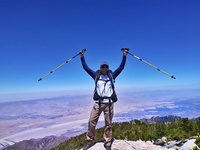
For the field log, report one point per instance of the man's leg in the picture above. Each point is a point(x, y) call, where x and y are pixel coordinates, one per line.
point(108, 114)
point(94, 117)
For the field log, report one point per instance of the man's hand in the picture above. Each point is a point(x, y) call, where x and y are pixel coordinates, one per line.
point(125, 51)
point(82, 53)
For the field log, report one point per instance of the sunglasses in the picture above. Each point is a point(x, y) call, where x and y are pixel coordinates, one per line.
point(104, 66)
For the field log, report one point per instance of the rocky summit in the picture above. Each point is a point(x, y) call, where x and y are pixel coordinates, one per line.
point(148, 145)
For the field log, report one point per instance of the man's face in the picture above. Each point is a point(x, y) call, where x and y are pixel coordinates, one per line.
point(104, 69)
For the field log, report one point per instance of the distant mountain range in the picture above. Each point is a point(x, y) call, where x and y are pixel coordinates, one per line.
point(158, 119)
point(45, 143)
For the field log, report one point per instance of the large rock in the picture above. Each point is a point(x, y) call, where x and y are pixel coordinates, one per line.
point(189, 145)
point(161, 141)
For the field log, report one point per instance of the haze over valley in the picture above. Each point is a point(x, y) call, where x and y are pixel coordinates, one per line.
point(68, 115)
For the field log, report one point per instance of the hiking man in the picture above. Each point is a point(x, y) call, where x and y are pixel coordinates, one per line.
point(104, 96)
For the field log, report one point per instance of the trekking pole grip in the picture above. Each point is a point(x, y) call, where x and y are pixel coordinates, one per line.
point(82, 50)
point(125, 49)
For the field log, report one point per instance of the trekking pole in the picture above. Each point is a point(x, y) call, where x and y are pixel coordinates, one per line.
point(148, 63)
point(60, 65)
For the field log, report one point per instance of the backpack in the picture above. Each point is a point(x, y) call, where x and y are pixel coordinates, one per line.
point(96, 96)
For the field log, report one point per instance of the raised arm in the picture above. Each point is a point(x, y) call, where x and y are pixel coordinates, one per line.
point(121, 66)
point(85, 66)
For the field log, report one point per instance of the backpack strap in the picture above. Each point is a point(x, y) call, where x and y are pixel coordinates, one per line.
point(112, 80)
point(97, 77)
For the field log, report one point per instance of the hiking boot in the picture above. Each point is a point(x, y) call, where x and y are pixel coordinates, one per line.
point(89, 144)
point(107, 145)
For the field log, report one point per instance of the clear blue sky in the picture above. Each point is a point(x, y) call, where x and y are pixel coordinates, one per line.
point(38, 35)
